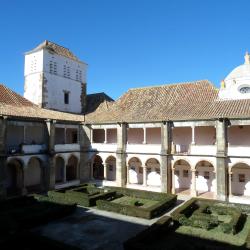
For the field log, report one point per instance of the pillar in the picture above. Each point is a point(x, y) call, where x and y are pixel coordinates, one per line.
point(127, 174)
point(65, 172)
point(165, 159)
point(86, 170)
point(3, 155)
point(173, 181)
point(121, 154)
point(105, 135)
point(221, 160)
point(50, 176)
point(193, 135)
point(145, 176)
point(193, 184)
point(144, 136)
point(105, 174)
point(230, 175)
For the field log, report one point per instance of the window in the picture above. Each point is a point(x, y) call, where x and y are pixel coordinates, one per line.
point(64, 71)
point(206, 175)
point(68, 72)
point(185, 173)
point(66, 97)
point(241, 178)
point(74, 137)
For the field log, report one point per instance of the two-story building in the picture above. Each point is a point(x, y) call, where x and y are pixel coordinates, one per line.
point(186, 138)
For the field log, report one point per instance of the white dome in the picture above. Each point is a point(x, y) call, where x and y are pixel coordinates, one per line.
point(241, 71)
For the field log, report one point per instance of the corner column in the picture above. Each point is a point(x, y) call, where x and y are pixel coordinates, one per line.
point(166, 136)
point(121, 155)
point(221, 160)
point(50, 183)
point(3, 155)
point(86, 172)
point(193, 184)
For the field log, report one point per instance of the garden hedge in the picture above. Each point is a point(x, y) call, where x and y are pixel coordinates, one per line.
point(83, 195)
point(164, 202)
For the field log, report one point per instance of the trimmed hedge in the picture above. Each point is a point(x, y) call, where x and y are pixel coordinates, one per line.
point(155, 231)
point(164, 202)
point(231, 226)
point(83, 195)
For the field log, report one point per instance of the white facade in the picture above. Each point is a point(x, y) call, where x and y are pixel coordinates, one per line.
point(49, 77)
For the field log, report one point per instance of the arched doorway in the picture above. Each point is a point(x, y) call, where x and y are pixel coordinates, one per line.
point(240, 180)
point(153, 172)
point(33, 175)
point(71, 169)
point(182, 177)
point(135, 171)
point(98, 168)
point(14, 177)
point(59, 169)
point(205, 177)
point(111, 168)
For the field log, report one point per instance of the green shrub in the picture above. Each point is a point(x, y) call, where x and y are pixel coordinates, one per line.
point(185, 210)
point(164, 202)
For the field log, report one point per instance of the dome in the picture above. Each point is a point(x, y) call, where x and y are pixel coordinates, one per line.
point(237, 84)
point(239, 72)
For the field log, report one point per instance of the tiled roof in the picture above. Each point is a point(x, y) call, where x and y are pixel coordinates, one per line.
point(166, 102)
point(7, 96)
point(95, 100)
point(13, 104)
point(183, 101)
point(58, 49)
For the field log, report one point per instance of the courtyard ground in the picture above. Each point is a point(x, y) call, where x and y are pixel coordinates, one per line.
point(92, 229)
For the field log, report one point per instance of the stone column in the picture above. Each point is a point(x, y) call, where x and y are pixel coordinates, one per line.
point(165, 160)
point(105, 174)
point(173, 181)
point(121, 154)
point(127, 167)
point(86, 171)
point(145, 176)
point(230, 175)
point(105, 136)
point(3, 155)
point(144, 136)
point(24, 183)
point(221, 160)
point(193, 184)
point(65, 172)
point(50, 176)
point(193, 135)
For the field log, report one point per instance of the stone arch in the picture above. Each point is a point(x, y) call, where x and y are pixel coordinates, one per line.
point(72, 168)
point(240, 179)
point(98, 168)
point(111, 168)
point(59, 169)
point(153, 172)
point(205, 177)
point(14, 176)
point(135, 171)
point(182, 176)
point(34, 175)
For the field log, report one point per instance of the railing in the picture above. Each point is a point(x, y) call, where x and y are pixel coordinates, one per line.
point(109, 147)
point(235, 150)
point(67, 147)
point(34, 148)
point(180, 148)
point(203, 149)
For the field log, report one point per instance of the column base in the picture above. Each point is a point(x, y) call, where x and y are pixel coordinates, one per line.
point(194, 193)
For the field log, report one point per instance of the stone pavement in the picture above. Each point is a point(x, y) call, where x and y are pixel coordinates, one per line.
point(92, 229)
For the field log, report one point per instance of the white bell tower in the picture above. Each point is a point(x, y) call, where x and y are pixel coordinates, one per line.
point(55, 78)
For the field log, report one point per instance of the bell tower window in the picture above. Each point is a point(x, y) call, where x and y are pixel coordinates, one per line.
point(66, 97)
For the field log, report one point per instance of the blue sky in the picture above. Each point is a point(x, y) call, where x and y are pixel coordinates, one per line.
point(129, 43)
